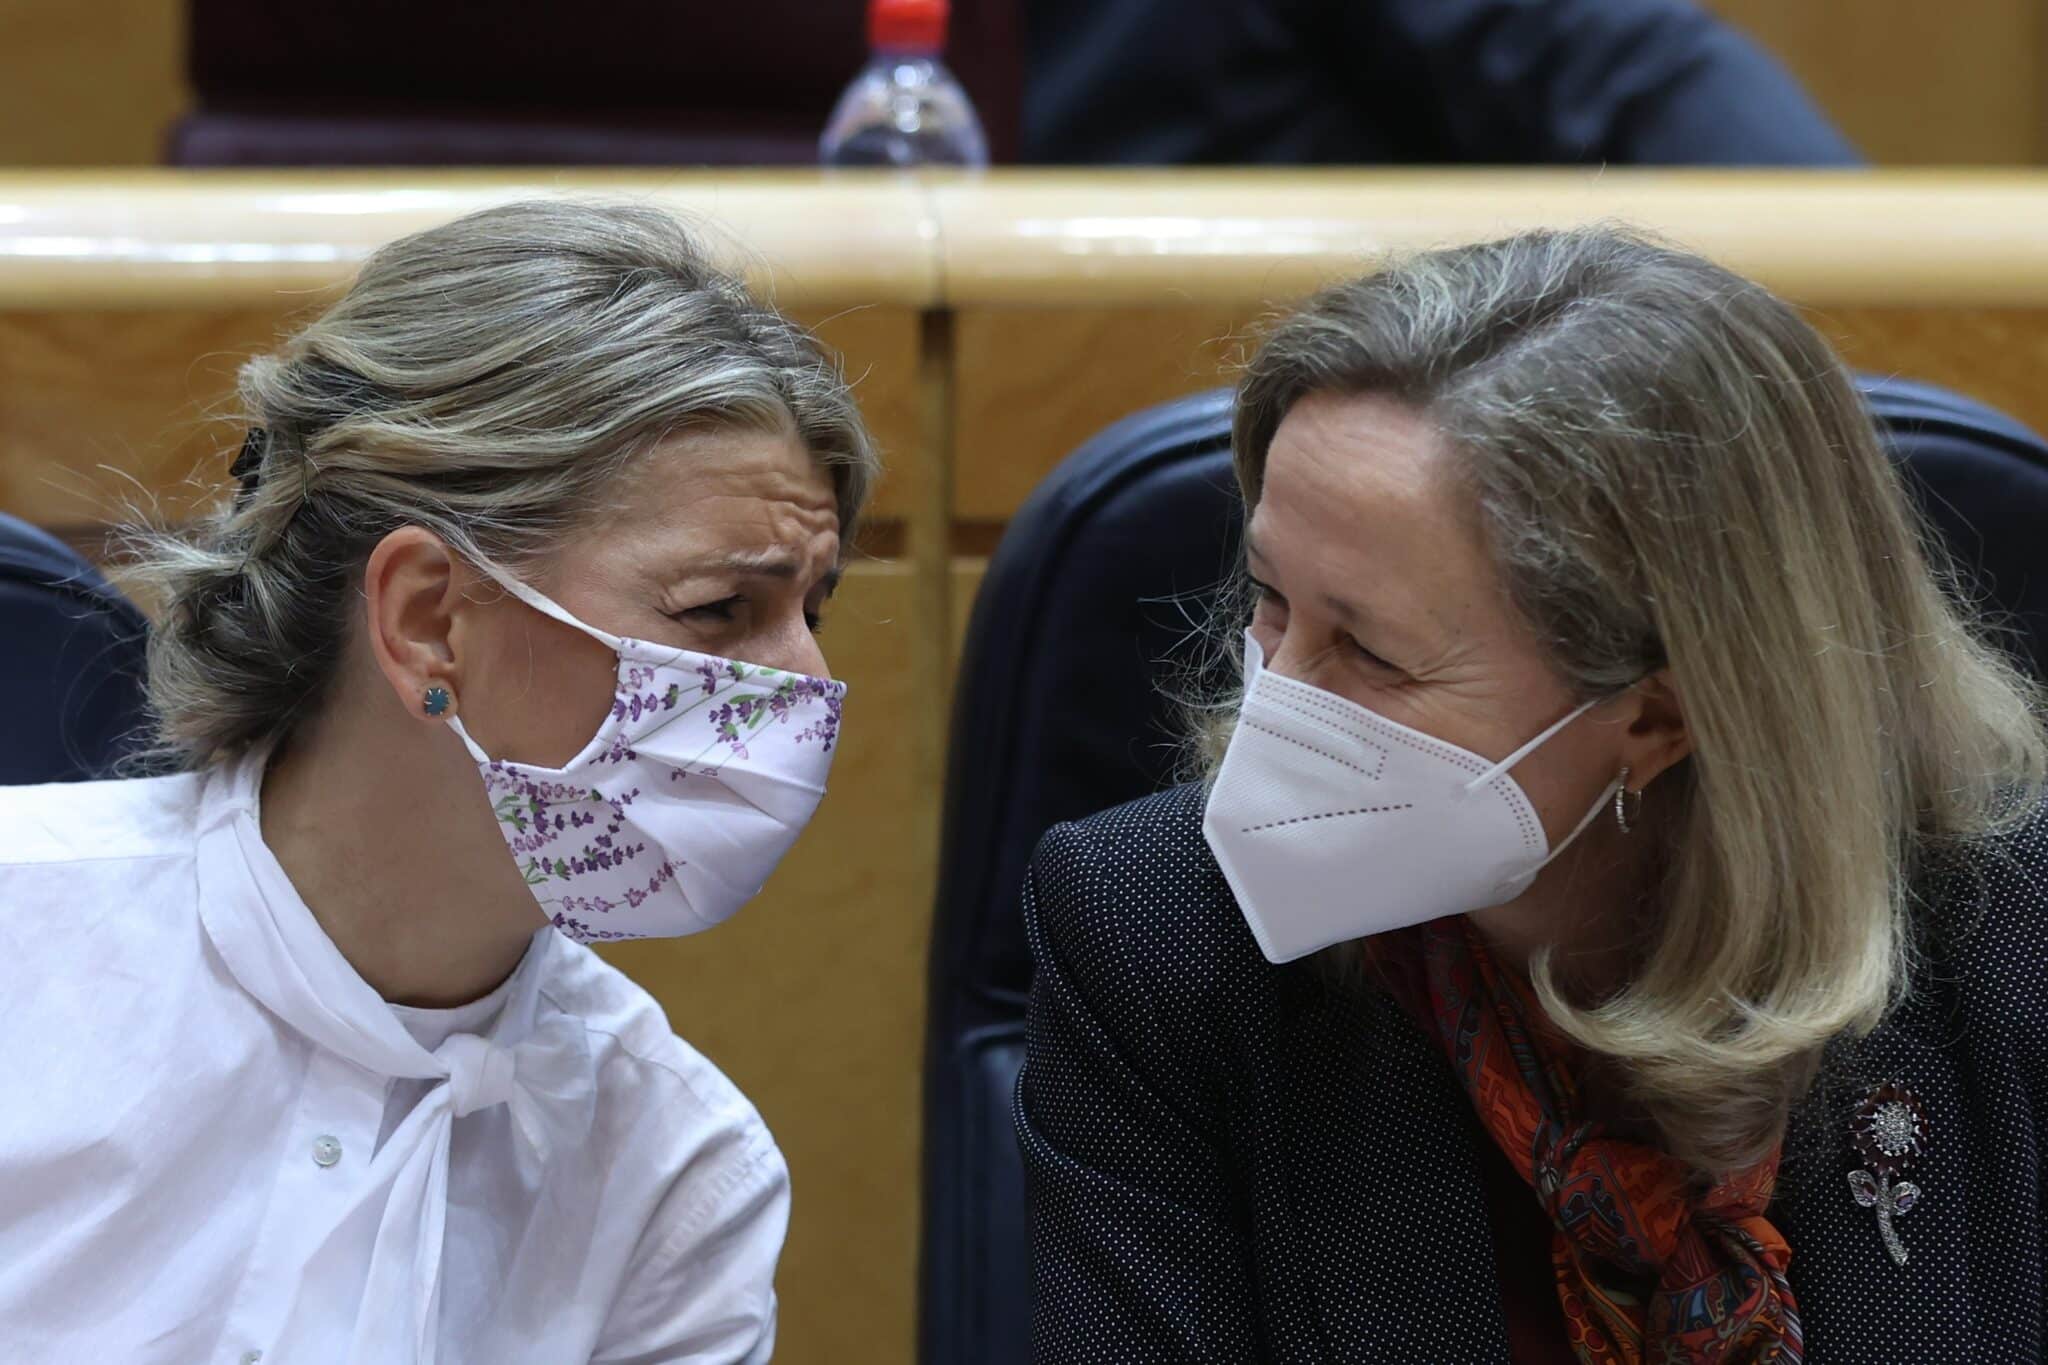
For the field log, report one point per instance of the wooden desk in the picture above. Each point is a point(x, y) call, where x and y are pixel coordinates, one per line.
point(992, 324)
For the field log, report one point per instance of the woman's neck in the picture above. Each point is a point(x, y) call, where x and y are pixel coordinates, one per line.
point(390, 841)
point(1589, 910)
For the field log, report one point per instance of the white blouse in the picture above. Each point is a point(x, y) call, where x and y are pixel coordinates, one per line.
point(218, 1143)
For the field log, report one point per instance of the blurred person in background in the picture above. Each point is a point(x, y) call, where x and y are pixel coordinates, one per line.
point(1367, 82)
point(505, 644)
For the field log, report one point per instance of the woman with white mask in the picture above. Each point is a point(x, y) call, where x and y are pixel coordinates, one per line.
point(505, 643)
point(1613, 926)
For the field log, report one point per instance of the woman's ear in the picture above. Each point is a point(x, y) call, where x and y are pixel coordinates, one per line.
point(412, 589)
point(1657, 738)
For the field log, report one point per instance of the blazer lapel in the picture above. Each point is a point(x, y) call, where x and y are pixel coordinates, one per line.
point(1403, 1207)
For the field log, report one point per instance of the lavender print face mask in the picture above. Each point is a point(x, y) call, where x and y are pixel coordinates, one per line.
point(684, 801)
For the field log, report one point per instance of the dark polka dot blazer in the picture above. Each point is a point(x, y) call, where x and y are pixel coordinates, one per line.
point(1232, 1161)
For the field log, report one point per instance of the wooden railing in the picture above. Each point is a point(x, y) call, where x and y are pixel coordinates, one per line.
point(992, 324)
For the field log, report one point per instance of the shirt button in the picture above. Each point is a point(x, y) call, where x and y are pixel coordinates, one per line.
point(326, 1151)
point(251, 1357)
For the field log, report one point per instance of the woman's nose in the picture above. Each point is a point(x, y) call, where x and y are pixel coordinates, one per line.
point(1284, 653)
point(793, 648)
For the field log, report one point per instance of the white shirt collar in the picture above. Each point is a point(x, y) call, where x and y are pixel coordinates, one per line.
point(279, 953)
point(537, 1062)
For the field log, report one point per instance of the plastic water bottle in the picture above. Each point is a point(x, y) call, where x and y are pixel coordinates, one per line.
point(904, 108)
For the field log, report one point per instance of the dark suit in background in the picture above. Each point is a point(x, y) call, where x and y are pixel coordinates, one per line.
point(1408, 81)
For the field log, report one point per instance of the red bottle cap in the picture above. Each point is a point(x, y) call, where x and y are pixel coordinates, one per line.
point(907, 25)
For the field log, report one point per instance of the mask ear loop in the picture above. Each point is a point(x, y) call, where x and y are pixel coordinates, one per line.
point(1531, 747)
point(1607, 793)
point(546, 605)
point(475, 750)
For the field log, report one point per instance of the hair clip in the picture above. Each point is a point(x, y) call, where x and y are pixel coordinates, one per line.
point(249, 463)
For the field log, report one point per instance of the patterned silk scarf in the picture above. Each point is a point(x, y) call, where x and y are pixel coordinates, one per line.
point(1649, 1271)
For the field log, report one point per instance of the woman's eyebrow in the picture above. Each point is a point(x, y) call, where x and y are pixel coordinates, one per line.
point(766, 563)
point(770, 563)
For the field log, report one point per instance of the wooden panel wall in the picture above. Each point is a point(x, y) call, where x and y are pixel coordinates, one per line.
point(1031, 392)
point(159, 390)
point(89, 82)
point(1914, 83)
point(1031, 385)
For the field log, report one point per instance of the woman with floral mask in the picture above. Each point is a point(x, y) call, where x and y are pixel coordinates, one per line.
point(1614, 928)
point(505, 643)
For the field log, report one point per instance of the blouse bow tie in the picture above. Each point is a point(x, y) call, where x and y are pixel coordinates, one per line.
point(545, 1081)
point(536, 1062)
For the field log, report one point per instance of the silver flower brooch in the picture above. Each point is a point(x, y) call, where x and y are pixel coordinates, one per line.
point(1890, 1132)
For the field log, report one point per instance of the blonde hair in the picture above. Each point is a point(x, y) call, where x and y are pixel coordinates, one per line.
point(488, 380)
point(1673, 469)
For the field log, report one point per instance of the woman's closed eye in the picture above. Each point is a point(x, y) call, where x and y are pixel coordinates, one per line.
point(1269, 599)
point(1371, 659)
point(724, 609)
point(727, 610)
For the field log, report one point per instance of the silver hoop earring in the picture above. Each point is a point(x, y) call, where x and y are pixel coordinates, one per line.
point(1621, 812)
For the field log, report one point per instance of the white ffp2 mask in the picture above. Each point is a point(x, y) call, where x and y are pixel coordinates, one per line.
point(1331, 822)
point(697, 782)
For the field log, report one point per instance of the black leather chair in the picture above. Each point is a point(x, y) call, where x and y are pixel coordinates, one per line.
point(71, 662)
point(1088, 602)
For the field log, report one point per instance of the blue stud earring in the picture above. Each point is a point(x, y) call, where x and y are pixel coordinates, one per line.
point(437, 701)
